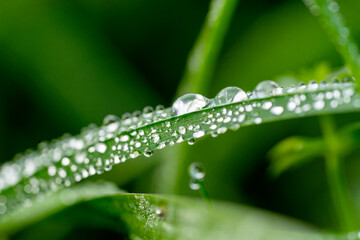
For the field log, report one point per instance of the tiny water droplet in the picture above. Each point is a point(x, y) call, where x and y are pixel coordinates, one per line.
point(277, 110)
point(196, 171)
point(191, 141)
point(125, 116)
point(312, 85)
point(100, 147)
point(148, 153)
point(199, 134)
point(182, 130)
point(159, 108)
point(334, 6)
point(265, 89)
point(148, 109)
point(188, 103)
point(137, 113)
point(194, 184)
point(349, 79)
point(109, 119)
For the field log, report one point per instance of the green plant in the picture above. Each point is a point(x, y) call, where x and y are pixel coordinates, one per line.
point(34, 185)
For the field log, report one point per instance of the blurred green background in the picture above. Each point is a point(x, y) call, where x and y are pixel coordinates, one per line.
point(66, 64)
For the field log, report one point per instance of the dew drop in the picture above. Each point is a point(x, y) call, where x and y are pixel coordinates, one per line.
point(109, 119)
point(188, 103)
point(126, 116)
point(182, 130)
point(199, 134)
point(136, 113)
point(100, 147)
point(148, 153)
point(229, 95)
point(334, 7)
point(277, 110)
point(196, 171)
point(194, 184)
point(312, 85)
point(51, 170)
point(134, 154)
point(318, 105)
point(148, 109)
point(267, 105)
point(156, 138)
point(65, 161)
point(266, 89)
point(191, 141)
point(124, 138)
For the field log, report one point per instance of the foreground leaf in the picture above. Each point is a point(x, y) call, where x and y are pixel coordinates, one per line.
point(161, 217)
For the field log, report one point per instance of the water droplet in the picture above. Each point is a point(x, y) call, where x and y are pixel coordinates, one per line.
point(51, 170)
point(156, 138)
point(134, 154)
point(196, 171)
point(188, 103)
point(136, 114)
point(199, 134)
point(349, 80)
point(124, 138)
point(148, 153)
point(194, 184)
point(277, 110)
point(301, 87)
point(318, 105)
point(126, 116)
point(109, 119)
point(265, 89)
point(334, 6)
point(159, 108)
point(100, 147)
point(229, 95)
point(312, 85)
point(182, 130)
point(191, 141)
point(148, 109)
point(65, 161)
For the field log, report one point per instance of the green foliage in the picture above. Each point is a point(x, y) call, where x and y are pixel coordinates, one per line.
point(159, 217)
point(39, 190)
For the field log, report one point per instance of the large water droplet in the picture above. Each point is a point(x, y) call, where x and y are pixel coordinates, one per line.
point(266, 89)
point(188, 103)
point(229, 95)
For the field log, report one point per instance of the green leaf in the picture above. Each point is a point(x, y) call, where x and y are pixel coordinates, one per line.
point(96, 150)
point(293, 152)
point(49, 204)
point(145, 216)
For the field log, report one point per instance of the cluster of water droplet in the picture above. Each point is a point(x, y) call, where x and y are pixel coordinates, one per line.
point(70, 159)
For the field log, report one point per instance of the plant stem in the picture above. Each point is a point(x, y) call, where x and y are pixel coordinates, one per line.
point(204, 194)
point(197, 76)
point(203, 56)
point(329, 14)
point(336, 179)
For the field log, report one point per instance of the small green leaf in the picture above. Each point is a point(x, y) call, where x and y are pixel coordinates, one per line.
point(293, 152)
